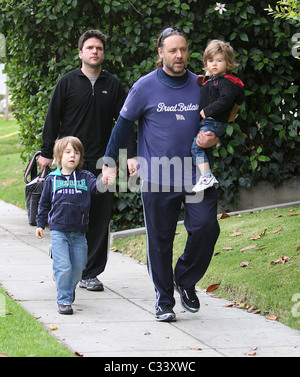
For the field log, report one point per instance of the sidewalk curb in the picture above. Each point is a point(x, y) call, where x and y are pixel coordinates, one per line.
point(141, 231)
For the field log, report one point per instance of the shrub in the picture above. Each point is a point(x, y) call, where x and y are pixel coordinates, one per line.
point(263, 142)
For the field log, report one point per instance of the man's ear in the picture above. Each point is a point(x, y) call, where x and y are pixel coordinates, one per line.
point(160, 52)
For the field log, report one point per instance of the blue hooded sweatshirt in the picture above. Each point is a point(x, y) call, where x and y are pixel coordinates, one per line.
point(65, 201)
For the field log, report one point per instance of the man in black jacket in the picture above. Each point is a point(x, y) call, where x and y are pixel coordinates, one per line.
point(85, 103)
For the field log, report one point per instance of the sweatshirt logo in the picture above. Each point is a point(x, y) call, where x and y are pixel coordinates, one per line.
point(80, 185)
point(178, 107)
point(180, 117)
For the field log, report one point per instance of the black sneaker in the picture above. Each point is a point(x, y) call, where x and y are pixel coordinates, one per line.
point(189, 299)
point(65, 309)
point(91, 284)
point(164, 313)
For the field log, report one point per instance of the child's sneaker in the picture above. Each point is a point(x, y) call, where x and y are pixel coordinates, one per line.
point(65, 309)
point(205, 182)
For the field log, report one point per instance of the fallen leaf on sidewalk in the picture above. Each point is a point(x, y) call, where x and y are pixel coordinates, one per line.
point(52, 327)
point(234, 234)
point(253, 310)
point(253, 353)
point(248, 247)
point(244, 264)
point(281, 260)
point(272, 317)
point(212, 287)
point(78, 354)
point(242, 305)
point(224, 216)
point(263, 233)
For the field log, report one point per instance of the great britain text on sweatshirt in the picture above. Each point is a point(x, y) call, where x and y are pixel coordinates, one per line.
point(181, 107)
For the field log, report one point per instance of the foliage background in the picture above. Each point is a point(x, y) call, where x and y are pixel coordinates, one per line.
point(263, 143)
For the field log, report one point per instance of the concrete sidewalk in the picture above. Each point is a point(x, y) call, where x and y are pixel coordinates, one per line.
point(119, 322)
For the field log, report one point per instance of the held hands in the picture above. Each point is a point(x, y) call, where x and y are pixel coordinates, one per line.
point(109, 174)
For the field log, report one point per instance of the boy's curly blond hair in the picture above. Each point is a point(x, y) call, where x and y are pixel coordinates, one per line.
point(216, 46)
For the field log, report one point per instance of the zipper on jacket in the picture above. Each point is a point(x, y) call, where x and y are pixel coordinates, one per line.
point(93, 83)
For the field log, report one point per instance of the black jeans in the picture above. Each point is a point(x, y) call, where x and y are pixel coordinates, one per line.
point(98, 233)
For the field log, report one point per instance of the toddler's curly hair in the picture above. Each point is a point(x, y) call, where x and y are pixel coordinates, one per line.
point(217, 46)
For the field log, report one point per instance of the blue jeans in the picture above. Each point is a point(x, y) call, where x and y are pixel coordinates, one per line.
point(201, 155)
point(69, 254)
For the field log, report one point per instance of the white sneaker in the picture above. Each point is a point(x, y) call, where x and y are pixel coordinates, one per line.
point(205, 182)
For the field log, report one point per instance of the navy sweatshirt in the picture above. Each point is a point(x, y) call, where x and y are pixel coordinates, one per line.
point(65, 201)
point(167, 110)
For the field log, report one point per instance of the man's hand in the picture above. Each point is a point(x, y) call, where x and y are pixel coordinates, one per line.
point(39, 233)
point(206, 139)
point(108, 175)
point(43, 162)
point(132, 165)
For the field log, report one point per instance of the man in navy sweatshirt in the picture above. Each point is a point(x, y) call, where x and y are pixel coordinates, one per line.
point(166, 104)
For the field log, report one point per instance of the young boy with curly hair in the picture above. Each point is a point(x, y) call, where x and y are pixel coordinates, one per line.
point(220, 95)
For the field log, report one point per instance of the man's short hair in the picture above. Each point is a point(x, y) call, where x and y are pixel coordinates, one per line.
point(91, 34)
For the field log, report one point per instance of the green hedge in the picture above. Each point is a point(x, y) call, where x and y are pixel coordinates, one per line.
point(263, 143)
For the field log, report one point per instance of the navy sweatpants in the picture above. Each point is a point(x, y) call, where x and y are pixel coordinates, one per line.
point(161, 210)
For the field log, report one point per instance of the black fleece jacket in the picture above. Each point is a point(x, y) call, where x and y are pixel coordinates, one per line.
point(78, 109)
point(219, 94)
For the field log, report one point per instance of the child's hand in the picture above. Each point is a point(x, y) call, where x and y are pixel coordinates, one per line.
point(39, 233)
point(109, 175)
point(202, 114)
